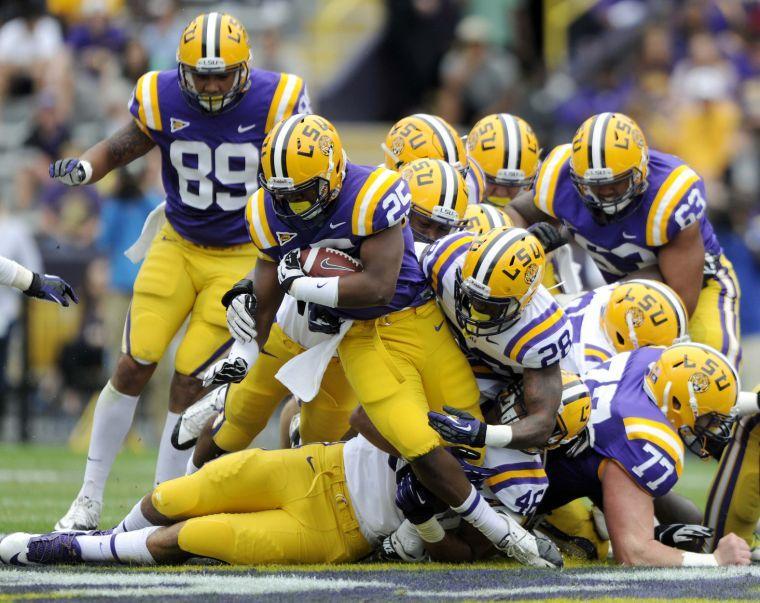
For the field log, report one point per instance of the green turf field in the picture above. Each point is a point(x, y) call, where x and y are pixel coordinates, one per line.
point(37, 484)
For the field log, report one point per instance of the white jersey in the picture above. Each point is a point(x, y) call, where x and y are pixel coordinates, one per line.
point(517, 481)
point(296, 325)
point(540, 337)
point(591, 346)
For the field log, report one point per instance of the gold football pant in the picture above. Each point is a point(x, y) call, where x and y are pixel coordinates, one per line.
point(177, 279)
point(251, 402)
point(733, 503)
point(715, 321)
point(576, 519)
point(403, 364)
point(267, 506)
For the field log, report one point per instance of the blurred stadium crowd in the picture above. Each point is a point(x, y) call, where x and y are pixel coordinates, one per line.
point(687, 70)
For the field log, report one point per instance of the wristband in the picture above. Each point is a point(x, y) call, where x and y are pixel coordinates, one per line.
point(247, 351)
point(430, 530)
point(87, 168)
point(748, 403)
point(318, 290)
point(699, 560)
point(23, 278)
point(498, 436)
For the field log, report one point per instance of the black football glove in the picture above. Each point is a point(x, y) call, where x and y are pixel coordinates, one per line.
point(51, 288)
point(458, 427)
point(549, 236)
point(682, 535)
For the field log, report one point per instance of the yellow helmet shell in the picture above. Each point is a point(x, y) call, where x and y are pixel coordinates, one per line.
point(482, 217)
point(423, 136)
point(690, 380)
point(438, 190)
point(574, 410)
point(506, 147)
point(642, 312)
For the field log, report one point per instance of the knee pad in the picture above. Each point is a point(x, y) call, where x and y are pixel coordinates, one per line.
point(177, 498)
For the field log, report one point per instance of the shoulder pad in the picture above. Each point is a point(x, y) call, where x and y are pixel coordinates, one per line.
point(652, 454)
point(541, 339)
point(382, 201)
point(257, 221)
point(143, 104)
point(548, 175)
point(442, 254)
point(672, 208)
point(285, 99)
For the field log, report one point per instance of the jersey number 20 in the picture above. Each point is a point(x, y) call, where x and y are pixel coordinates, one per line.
point(231, 164)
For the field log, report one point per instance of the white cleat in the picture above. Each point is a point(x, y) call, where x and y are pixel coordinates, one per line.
point(83, 515)
point(528, 549)
point(13, 549)
point(193, 420)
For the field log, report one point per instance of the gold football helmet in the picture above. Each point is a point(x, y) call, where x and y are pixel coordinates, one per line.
point(302, 166)
point(506, 148)
point(439, 198)
point(573, 415)
point(609, 165)
point(423, 136)
point(481, 217)
point(696, 387)
point(501, 271)
point(214, 44)
point(642, 312)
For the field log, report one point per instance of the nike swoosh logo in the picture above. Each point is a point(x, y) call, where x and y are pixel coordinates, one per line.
point(89, 458)
point(309, 459)
point(242, 129)
point(327, 264)
point(14, 560)
point(438, 328)
point(320, 285)
point(627, 236)
point(337, 225)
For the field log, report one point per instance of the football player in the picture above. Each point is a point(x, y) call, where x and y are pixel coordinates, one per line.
point(482, 217)
point(320, 503)
point(639, 213)
point(648, 404)
point(312, 196)
point(506, 322)
point(208, 118)
point(507, 150)
point(42, 286)
point(423, 136)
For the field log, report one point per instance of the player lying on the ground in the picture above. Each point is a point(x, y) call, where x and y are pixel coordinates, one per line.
point(321, 503)
point(42, 286)
point(646, 405)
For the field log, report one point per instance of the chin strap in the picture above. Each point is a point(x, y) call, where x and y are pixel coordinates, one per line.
point(631, 330)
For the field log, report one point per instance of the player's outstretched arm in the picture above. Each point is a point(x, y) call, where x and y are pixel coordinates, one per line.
point(119, 149)
point(42, 286)
point(629, 514)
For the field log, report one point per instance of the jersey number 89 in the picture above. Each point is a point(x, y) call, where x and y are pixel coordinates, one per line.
point(231, 164)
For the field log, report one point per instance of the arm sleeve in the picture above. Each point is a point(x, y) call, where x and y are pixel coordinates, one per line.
point(11, 272)
point(143, 104)
point(677, 204)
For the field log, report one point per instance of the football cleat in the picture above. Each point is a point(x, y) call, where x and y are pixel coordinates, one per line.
point(527, 548)
point(191, 422)
point(13, 548)
point(83, 515)
point(294, 430)
point(48, 549)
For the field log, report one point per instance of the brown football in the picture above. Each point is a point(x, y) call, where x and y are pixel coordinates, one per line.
point(324, 261)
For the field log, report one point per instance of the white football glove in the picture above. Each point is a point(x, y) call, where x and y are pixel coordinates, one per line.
point(240, 321)
point(404, 544)
point(71, 171)
point(289, 269)
point(226, 370)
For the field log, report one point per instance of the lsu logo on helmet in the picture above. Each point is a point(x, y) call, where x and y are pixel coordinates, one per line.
point(214, 44)
point(423, 136)
point(697, 388)
point(642, 312)
point(609, 165)
point(481, 217)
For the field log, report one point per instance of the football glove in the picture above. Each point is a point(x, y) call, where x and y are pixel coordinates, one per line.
point(290, 269)
point(403, 545)
point(416, 502)
point(226, 370)
point(458, 427)
point(679, 534)
point(321, 321)
point(240, 302)
point(476, 475)
point(51, 288)
point(549, 236)
point(71, 171)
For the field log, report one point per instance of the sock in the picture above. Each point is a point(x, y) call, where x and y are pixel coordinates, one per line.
point(476, 511)
point(112, 421)
point(129, 547)
point(135, 520)
point(171, 462)
point(191, 466)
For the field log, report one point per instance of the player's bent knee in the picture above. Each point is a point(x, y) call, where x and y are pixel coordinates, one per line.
point(230, 437)
point(210, 536)
point(130, 376)
point(177, 498)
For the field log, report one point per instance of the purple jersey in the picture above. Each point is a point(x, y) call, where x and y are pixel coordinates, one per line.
point(673, 201)
point(625, 427)
point(371, 199)
point(210, 162)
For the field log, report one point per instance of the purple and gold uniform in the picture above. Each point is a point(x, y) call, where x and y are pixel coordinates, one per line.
point(626, 428)
point(386, 352)
point(673, 201)
point(591, 346)
point(209, 167)
point(540, 337)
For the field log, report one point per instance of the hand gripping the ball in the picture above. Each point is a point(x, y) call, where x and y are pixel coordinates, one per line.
point(458, 427)
point(290, 269)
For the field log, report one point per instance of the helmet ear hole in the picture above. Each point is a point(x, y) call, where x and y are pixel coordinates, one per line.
point(676, 403)
point(620, 339)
